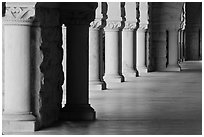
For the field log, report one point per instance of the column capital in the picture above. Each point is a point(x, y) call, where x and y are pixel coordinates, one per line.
point(81, 13)
point(130, 26)
point(142, 26)
point(96, 25)
point(114, 25)
point(173, 27)
point(19, 13)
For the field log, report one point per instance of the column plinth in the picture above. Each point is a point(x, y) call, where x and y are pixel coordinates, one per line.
point(78, 112)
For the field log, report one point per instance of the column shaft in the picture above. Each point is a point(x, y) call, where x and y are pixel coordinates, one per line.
point(141, 63)
point(112, 57)
point(173, 51)
point(77, 104)
point(95, 62)
point(128, 48)
point(17, 114)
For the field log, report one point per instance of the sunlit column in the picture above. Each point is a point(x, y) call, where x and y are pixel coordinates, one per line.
point(96, 81)
point(113, 43)
point(17, 116)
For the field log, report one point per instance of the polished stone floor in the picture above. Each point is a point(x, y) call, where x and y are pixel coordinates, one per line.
point(157, 103)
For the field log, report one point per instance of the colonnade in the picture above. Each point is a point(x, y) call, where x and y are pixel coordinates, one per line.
point(106, 43)
point(125, 43)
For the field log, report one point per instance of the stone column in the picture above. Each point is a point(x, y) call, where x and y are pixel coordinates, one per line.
point(173, 50)
point(96, 81)
point(77, 17)
point(113, 44)
point(129, 41)
point(141, 58)
point(141, 38)
point(17, 115)
point(52, 76)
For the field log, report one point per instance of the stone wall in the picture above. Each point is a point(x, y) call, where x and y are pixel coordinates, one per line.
point(193, 30)
point(163, 16)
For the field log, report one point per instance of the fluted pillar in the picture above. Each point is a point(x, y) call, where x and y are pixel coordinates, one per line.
point(17, 115)
point(173, 50)
point(113, 44)
point(96, 81)
point(129, 41)
point(77, 17)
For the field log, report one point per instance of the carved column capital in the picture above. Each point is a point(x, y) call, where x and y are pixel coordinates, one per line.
point(96, 25)
point(19, 14)
point(142, 27)
point(113, 25)
point(130, 26)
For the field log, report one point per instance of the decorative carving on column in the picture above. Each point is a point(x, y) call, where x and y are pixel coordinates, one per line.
point(143, 26)
point(19, 13)
point(114, 25)
point(96, 25)
point(130, 26)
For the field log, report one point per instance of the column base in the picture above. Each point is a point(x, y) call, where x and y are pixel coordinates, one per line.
point(113, 78)
point(130, 75)
point(142, 70)
point(18, 123)
point(97, 85)
point(173, 68)
point(78, 113)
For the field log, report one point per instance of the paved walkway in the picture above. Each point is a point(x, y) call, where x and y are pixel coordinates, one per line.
point(156, 103)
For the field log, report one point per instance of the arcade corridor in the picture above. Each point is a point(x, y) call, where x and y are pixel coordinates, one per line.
point(102, 68)
point(155, 103)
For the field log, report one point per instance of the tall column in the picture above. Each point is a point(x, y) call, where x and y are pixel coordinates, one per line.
point(77, 17)
point(129, 41)
point(96, 81)
point(173, 51)
point(141, 38)
point(17, 115)
point(113, 44)
point(141, 50)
